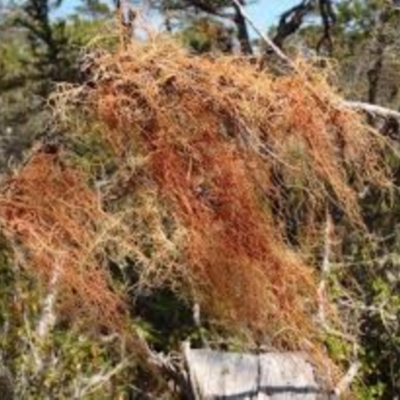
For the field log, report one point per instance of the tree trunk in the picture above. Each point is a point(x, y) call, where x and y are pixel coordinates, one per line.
point(242, 32)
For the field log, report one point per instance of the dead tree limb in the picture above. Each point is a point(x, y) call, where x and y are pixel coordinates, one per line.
point(291, 21)
point(347, 380)
point(372, 109)
point(264, 37)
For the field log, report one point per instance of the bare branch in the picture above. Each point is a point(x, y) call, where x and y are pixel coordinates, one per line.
point(291, 21)
point(165, 365)
point(372, 109)
point(325, 269)
point(347, 380)
point(266, 39)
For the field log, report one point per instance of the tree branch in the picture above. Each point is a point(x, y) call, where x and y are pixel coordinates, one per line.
point(328, 20)
point(371, 109)
point(347, 380)
point(291, 21)
point(266, 39)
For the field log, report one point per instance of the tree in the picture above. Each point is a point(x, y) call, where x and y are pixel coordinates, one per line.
point(221, 9)
point(53, 56)
point(94, 9)
point(37, 52)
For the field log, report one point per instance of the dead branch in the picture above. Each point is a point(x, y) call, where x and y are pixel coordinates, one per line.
point(347, 380)
point(165, 365)
point(372, 109)
point(325, 269)
point(266, 39)
point(291, 21)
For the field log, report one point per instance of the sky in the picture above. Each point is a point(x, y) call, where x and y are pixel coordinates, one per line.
point(264, 13)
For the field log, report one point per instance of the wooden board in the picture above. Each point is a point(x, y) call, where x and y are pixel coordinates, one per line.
point(217, 375)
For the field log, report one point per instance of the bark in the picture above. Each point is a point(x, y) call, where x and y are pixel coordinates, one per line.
point(328, 20)
point(377, 53)
point(242, 31)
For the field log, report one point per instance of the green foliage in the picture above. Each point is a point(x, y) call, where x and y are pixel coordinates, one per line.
point(184, 11)
point(368, 292)
point(205, 35)
point(94, 9)
point(35, 53)
point(59, 363)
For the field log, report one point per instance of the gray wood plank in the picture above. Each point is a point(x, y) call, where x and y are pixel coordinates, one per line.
point(218, 375)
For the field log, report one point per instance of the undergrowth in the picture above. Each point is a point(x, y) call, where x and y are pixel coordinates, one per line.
point(196, 162)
